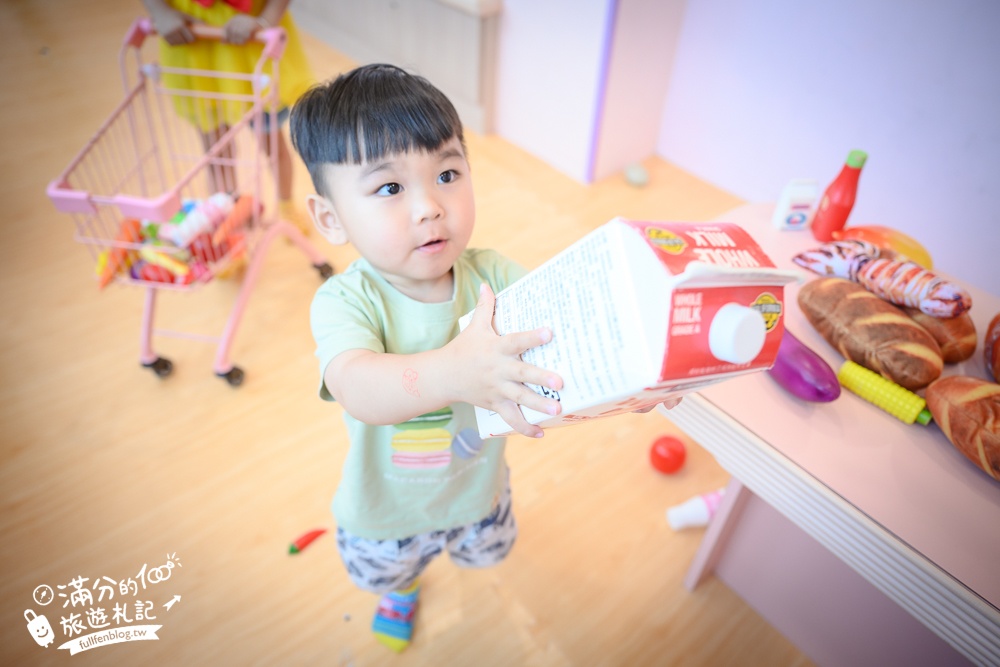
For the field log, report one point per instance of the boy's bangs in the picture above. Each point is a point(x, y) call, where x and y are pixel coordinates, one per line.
point(402, 128)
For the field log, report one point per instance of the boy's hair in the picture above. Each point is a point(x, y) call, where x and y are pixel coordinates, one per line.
point(368, 113)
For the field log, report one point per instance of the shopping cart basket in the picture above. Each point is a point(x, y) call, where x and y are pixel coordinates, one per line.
point(166, 204)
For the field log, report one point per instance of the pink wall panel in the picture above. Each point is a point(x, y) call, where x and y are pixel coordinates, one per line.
point(640, 60)
point(549, 68)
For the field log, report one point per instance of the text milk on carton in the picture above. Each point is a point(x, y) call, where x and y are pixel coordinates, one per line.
point(642, 311)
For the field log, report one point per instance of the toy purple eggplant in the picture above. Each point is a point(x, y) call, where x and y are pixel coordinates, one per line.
point(803, 373)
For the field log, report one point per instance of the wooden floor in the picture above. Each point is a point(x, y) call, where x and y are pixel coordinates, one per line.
point(105, 469)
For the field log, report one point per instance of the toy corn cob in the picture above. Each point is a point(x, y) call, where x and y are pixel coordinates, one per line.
point(901, 403)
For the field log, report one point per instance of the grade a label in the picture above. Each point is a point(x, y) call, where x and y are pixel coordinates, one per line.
point(686, 314)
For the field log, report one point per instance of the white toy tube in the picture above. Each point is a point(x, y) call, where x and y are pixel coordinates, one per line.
point(695, 512)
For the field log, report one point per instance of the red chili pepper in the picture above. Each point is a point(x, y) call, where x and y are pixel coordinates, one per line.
point(305, 540)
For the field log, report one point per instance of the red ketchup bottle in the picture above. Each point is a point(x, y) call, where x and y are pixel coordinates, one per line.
point(837, 201)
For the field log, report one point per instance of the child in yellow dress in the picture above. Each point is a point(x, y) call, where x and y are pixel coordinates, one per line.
point(237, 53)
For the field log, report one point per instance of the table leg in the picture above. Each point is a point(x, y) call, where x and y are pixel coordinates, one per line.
point(717, 533)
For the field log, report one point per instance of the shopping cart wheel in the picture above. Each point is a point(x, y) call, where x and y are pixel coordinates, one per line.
point(234, 376)
point(162, 367)
point(325, 270)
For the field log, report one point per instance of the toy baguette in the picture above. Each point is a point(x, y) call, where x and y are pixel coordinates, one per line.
point(955, 335)
point(968, 411)
point(899, 281)
point(871, 332)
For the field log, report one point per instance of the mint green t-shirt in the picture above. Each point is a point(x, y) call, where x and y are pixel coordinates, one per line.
point(432, 472)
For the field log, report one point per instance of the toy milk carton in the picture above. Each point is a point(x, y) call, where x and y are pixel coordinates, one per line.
point(642, 311)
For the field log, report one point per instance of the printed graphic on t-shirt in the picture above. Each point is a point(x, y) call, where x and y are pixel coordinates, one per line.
point(423, 442)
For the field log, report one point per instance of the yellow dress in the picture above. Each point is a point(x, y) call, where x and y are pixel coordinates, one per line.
point(294, 74)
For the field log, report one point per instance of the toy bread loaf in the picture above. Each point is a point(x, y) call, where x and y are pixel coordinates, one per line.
point(968, 411)
point(991, 347)
point(955, 335)
point(871, 332)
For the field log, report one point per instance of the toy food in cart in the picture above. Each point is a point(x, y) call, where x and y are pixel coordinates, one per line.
point(119, 257)
point(155, 274)
point(178, 257)
point(237, 218)
point(151, 255)
point(205, 217)
point(886, 237)
point(206, 251)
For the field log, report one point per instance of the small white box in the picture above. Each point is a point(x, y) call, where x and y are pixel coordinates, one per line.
point(796, 205)
point(641, 311)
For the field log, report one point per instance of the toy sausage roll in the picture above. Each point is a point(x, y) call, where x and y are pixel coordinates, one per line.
point(896, 280)
point(909, 284)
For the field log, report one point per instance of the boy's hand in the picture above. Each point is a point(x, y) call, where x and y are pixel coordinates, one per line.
point(489, 371)
point(667, 404)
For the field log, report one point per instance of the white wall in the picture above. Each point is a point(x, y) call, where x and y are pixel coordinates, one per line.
point(550, 53)
point(765, 91)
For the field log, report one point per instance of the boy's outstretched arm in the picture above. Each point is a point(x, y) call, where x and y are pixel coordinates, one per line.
point(477, 367)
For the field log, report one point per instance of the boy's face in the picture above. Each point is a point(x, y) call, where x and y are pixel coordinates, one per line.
point(410, 215)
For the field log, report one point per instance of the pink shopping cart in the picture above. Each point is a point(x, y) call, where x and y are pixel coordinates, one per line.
point(166, 205)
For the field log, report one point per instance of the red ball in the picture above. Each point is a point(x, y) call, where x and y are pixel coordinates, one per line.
point(667, 454)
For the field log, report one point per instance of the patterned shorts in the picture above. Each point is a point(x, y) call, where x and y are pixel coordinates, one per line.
point(381, 566)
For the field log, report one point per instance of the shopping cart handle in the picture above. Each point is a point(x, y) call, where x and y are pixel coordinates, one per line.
point(273, 39)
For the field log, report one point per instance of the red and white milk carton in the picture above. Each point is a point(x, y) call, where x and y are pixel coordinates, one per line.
point(643, 311)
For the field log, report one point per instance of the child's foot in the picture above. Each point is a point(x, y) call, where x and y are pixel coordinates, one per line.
point(287, 210)
point(393, 624)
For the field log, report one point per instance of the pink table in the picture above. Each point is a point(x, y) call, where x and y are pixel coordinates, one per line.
point(894, 504)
